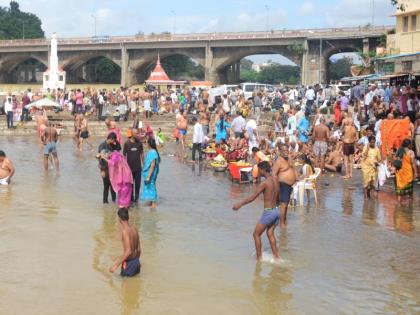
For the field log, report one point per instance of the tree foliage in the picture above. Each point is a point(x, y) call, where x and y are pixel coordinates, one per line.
point(107, 71)
point(340, 68)
point(274, 73)
point(180, 67)
point(15, 24)
point(246, 64)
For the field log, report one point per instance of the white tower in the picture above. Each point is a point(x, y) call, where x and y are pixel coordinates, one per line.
point(54, 78)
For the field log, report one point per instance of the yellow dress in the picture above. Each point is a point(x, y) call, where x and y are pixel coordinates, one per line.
point(369, 169)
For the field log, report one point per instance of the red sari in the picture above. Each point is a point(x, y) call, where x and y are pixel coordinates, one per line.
point(337, 113)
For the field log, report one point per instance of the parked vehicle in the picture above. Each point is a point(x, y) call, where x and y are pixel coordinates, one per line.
point(249, 88)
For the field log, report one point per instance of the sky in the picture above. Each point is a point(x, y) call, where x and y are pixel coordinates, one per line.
point(74, 18)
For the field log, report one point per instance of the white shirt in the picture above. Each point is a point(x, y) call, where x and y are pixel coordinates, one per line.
point(310, 95)
point(238, 124)
point(226, 107)
point(8, 107)
point(198, 134)
point(291, 125)
point(30, 95)
point(251, 127)
point(369, 97)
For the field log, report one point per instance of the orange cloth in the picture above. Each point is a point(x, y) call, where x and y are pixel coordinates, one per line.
point(393, 132)
point(259, 157)
point(405, 176)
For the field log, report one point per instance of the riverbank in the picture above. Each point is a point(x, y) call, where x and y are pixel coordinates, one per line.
point(97, 128)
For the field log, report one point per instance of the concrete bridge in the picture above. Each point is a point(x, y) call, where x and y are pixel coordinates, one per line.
point(218, 53)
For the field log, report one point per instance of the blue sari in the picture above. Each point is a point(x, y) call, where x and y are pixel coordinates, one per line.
point(149, 192)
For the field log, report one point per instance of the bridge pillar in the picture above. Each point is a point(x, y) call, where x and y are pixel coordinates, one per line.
point(314, 63)
point(210, 72)
point(366, 47)
point(124, 67)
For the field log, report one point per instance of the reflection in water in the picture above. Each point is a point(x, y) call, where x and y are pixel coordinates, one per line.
point(370, 211)
point(347, 202)
point(271, 295)
point(404, 218)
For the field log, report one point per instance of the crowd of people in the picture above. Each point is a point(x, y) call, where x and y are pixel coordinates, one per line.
point(374, 129)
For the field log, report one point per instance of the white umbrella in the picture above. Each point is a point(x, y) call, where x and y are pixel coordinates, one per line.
point(44, 103)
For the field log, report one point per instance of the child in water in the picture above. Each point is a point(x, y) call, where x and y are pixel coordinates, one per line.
point(271, 215)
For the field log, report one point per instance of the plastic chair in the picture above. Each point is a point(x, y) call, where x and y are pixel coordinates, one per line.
point(309, 184)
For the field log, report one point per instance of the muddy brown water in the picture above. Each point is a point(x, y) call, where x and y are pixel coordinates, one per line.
point(57, 241)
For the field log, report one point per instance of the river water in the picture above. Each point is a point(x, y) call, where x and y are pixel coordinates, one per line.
point(57, 241)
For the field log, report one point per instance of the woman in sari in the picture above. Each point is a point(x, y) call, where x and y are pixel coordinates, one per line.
point(371, 157)
point(150, 173)
point(222, 128)
point(121, 178)
point(405, 170)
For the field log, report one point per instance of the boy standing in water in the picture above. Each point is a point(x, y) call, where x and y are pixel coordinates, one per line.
point(130, 260)
point(270, 217)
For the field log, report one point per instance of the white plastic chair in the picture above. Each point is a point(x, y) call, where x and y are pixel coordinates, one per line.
point(309, 184)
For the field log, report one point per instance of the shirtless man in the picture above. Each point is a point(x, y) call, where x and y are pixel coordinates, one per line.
point(49, 139)
point(130, 260)
point(77, 124)
point(270, 189)
point(286, 175)
point(333, 162)
point(84, 134)
point(349, 141)
point(321, 135)
point(7, 170)
point(182, 125)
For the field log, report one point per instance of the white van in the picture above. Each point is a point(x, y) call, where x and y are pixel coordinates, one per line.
point(249, 88)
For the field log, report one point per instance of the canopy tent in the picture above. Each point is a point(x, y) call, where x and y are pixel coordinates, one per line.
point(44, 103)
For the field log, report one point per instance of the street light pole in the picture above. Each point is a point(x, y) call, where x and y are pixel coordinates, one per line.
point(94, 22)
point(23, 29)
point(268, 17)
point(373, 13)
point(174, 27)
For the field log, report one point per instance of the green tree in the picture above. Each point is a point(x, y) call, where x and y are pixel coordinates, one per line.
point(16, 24)
point(182, 67)
point(107, 71)
point(249, 76)
point(276, 73)
point(340, 68)
point(246, 64)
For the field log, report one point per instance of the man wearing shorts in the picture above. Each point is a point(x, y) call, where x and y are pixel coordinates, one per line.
point(130, 259)
point(270, 217)
point(321, 135)
point(49, 139)
point(286, 176)
point(349, 140)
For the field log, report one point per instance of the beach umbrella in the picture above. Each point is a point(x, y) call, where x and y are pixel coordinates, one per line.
point(44, 103)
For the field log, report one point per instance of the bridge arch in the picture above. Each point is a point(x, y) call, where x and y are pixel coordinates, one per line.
point(142, 64)
point(22, 68)
point(227, 66)
point(331, 52)
point(95, 67)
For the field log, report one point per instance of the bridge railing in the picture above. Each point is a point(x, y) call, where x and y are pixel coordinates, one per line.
point(327, 32)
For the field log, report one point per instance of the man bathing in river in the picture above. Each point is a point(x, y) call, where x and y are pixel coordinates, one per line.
point(49, 139)
point(286, 176)
point(7, 170)
point(270, 189)
point(130, 260)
